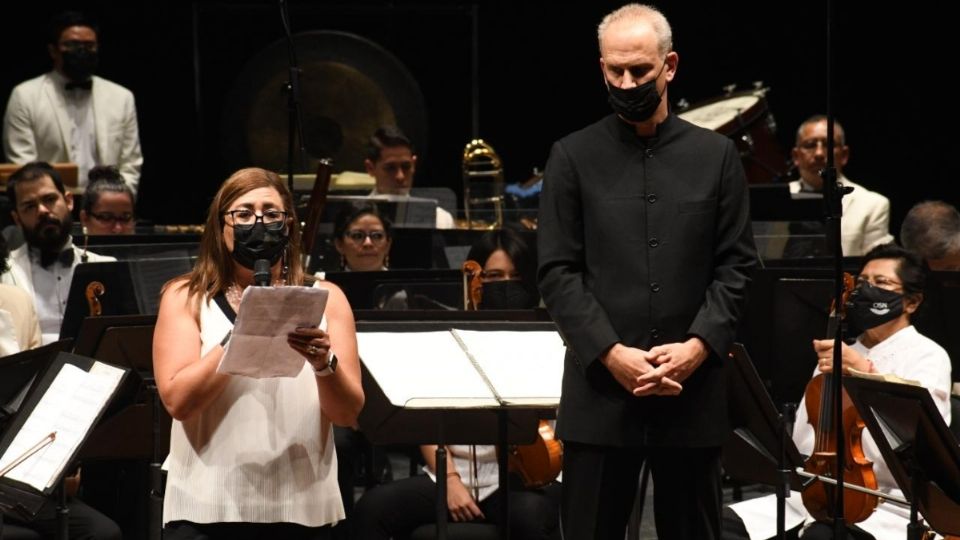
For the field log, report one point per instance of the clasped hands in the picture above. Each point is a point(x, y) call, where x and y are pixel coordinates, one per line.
point(658, 371)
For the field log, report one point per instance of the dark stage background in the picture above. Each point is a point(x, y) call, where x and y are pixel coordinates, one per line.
point(538, 79)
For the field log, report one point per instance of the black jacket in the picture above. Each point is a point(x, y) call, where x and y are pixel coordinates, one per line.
point(644, 242)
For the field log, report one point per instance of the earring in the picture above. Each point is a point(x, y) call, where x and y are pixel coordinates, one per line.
point(343, 262)
point(386, 261)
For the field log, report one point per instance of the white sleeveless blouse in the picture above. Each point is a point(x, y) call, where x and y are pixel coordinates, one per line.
point(261, 452)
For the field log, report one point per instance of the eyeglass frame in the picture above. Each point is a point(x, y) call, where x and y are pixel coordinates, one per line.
point(354, 234)
point(122, 219)
point(885, 284)
point(256, 217)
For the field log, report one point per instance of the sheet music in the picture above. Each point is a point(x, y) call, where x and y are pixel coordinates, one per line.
point(423, 370)
point(258, 347)
point(68, 408)
point(525, 367)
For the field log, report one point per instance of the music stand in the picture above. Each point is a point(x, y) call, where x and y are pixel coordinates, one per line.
point(373, 290)
point(758, 448)
point(41, 474)
point(137, 427)
point(493, 420)
point(919, 449)
point(20, 373)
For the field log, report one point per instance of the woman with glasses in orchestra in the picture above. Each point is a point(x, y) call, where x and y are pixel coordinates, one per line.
point(362, 237)
point(108, 203)
point(888, 292)
point(251, 458)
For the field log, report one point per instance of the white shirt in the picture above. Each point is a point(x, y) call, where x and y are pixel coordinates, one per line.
point(485, 476)
point(83, 129)
point(261, 452)
point(906, 354)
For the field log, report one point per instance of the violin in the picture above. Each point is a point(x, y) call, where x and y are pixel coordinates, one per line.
point(538, 463)
point(472, 285)
point(93, 292)
point(819, 497)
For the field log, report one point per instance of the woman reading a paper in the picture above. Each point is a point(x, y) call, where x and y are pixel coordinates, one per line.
point(889, 290)
point(251, 457)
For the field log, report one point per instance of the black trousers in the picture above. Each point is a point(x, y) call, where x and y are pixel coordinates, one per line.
point(185, 530)
point(395, 509)
point(600, 483)
point(83, 522)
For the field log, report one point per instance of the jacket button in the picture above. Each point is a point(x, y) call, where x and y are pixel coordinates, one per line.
point(653, 242)
point(655, 333)
point(652, 198)
point(649, 152)
point(655, 287)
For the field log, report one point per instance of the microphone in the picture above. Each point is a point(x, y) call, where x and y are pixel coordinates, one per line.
point(261, 272)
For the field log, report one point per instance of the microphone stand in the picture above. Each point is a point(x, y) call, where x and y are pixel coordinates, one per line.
point(292, 88)
point(833, 194)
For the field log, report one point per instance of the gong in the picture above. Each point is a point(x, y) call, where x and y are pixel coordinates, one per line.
point(349, 86)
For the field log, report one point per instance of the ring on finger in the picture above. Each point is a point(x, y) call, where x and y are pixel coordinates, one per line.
point(313, 350)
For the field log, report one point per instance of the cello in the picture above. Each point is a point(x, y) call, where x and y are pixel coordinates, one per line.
point(819, 498)
point(538, 463)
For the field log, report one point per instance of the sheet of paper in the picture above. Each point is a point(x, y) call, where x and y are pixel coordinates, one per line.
point(68, 408)
point(524, 367)
point(258, 347)
point(423, 370)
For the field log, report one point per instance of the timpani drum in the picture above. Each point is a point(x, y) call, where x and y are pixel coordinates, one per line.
point(745, 117)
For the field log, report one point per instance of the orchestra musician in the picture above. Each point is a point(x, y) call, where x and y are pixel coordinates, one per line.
point(44, 265)
point(108, 203)
point(251, 458)
point(886, 343)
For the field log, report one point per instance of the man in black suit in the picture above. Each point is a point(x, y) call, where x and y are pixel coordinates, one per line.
point(645, 253)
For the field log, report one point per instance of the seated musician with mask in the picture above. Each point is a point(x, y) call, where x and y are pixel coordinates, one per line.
point(509, 270)
point(395, 509)
point(887, 343)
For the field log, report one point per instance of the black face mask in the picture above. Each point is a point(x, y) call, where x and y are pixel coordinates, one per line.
point(79, 63)
point(258, 242)
point(871, 306)
point(638, 103)
point(509, 294)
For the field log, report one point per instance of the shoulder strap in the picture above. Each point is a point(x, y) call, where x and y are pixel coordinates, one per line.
point(225, 307)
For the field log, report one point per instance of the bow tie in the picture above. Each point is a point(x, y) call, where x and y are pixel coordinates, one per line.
point(65, 258)
point(82, 85)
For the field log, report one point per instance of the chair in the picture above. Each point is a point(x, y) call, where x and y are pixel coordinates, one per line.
point(955, 415)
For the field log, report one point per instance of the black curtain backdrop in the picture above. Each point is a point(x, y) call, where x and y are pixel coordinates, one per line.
point(538, 78)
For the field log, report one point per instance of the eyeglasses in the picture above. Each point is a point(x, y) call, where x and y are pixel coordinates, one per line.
point(880, 281)
point(107, 217)
point(359, 237)
point(246, 218)
point(498, 275)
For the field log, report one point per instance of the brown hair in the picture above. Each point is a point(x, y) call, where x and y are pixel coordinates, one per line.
point(214, 270)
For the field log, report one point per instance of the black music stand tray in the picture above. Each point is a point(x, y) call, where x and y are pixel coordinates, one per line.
point(445, 423)
point(758, 449)
point(138, 426)
point(25, 500)
point(21, 372)
point(920, 450)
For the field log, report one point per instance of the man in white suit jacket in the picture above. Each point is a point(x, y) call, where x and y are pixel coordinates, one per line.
point(44, 265)
point(69, 115)
point(866, 214)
